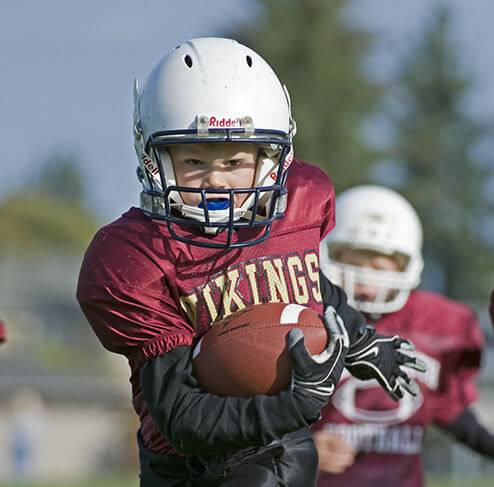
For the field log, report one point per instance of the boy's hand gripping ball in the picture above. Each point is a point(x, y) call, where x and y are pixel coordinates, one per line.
point(245, 354)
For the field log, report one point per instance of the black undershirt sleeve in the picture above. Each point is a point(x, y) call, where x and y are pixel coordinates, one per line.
point(199, 423)
point(467, 430)
point(334, 296)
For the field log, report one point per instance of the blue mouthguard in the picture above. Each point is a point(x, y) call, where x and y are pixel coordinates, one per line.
point(216, 204)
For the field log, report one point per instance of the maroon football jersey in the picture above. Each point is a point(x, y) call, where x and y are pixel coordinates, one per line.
point(145, 293)
point(3, 332)
point(389, 435)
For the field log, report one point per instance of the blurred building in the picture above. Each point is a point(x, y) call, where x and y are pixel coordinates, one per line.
point(64, 401)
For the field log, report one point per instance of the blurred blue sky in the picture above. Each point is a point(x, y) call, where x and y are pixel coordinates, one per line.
point(67, 68)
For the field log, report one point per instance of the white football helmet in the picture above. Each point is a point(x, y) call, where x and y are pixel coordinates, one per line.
point(213, 90)
point(378, 219)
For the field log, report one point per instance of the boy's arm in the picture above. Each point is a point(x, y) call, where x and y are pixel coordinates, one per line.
point(196, 422)
point(199, 423)
point(457, 390)
point(467, 429)
point(335, 297)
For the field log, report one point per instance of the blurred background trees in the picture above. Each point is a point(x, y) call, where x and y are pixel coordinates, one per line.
point(437, 145)
point(48, 213)
point(320, 56)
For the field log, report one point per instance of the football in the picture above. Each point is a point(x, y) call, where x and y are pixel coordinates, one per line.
point(245, 354)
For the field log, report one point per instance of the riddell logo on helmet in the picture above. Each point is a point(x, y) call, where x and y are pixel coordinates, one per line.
point(286, 164)
point(225, 122)
point(149, 164)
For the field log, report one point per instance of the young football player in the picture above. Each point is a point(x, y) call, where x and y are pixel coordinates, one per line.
point(222, 226)
point(364, 439)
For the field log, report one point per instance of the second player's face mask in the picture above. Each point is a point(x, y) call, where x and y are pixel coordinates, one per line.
point(375, 283)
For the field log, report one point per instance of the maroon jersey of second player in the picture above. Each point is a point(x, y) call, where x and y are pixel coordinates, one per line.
point(3, 332)
point(388, 435)
point(145, 293)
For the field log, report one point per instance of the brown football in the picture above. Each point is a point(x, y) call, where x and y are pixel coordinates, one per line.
point(245, 354)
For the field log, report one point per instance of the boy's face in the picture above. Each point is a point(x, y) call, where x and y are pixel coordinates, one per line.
point(369, 259)
point(214, 166)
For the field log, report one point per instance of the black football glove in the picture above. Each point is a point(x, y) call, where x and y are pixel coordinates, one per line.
point(374, 356)
point(314, 377)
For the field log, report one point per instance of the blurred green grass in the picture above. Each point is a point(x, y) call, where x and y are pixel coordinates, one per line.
point(459, 482)
point(131, 480)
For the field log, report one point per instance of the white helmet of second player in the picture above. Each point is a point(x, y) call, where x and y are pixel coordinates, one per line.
point(211, 90)
point(378, 219)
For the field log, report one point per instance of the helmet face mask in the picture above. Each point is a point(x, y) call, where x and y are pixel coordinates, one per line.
point(391, 289)
point(210, 110)
point(380, 222)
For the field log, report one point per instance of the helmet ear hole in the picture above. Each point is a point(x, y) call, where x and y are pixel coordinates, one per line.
point(249, 61)
point(188, 61)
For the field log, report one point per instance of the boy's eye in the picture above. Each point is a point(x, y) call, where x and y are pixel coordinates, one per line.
point(194, 162)
point(234, 162)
